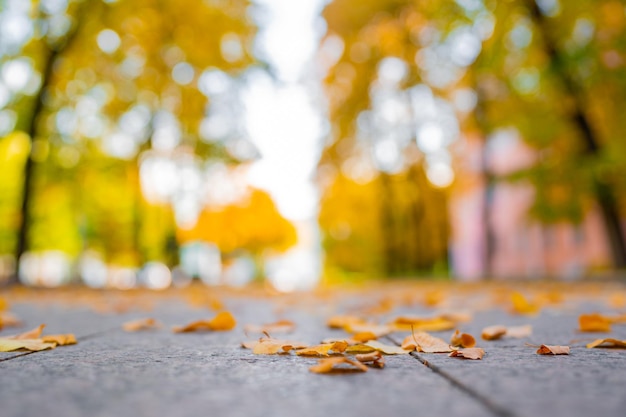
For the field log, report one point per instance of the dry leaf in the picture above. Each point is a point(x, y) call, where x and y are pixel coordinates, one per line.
point(60, 339)
point(553, 350)
point(281, 326)
point(33, 345)
point(424, 342)
point(31, 334)
point(607, 343)
point(221, 322)
point(364, 337)
point(434, 324)
point(521, 305)
point(377, 329)
point(375, 359)
point(331, 365)
point(360, 348)
point(456, 316)
point(271, 346)
point(386, 349)
point(8, 319)
point(141, 324)
point(341, 322)
point(4, 305)
point(468, 353)
point(464, 340)
point(594, 323)
point(519, 332)
point(493, 332)
point(323, 350)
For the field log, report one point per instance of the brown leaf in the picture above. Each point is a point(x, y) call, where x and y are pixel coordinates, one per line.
point(553, 350)
point(31, 334)
point(432, 324)
point(424, 342)
point(375, 359)
point(464, 340)
point(331, 365)
point(594, 323)
point(221, 322)
point(33, 345)
point(141, 324)
point(493, 332)
point(469, 353)
point(607, 343)
point(281, 326)
point(60, 339)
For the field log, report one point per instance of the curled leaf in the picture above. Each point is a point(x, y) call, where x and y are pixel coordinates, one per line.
point(60, 339)
point(607, 343)
point(464, 340)
point(141, 324)
point(332, 365)
point(468, 353)
point(221, 322)
point(375, 359)
point(594, 323)
point(553, 350)
point(493, 332)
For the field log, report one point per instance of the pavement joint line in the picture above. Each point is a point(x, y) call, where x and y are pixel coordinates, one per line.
point(494, 408)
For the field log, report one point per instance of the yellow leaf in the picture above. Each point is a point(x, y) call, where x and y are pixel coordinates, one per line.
point(386, 349)
point(222, 321)
point(521, 305)
point(355, 349)
point(341, 322)
point(464, 340)
point(141, 324)
point(493, 332)
point(434, 324)
point(364, 336)
point(553, 350)
point(424, 342)
point(60, 339)
point(607, 343)
point(31, 334)
point(594, 323)
point(33, 345)
point(4, 305)
point(269, 346)
point(331, 365)
point(281, 326)
point(469, 353)
point(375, 359)
point(323, 349)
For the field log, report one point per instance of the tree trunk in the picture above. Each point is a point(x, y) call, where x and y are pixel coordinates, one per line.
point(604, 195)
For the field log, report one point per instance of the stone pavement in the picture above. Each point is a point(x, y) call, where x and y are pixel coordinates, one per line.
point(114, 373)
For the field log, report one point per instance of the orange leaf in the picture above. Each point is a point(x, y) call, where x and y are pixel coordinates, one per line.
point(323, 349)
point(469, 353)
point(607, 343)
point(31, 334)
point(340, 322)
point(141, 324)
point(331, 365)
point(375, 358)
point(60, 339)
point(8, 320)
point(553, 350)
point(521, 305)
point(594, 323)
point(281, 326)
point(493, 332)
point(434, 324)
point(364, 336)
point(222, 321)
point(424, 342)
point(462, 339)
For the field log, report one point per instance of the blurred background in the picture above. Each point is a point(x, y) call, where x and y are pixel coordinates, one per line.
point(149, 143)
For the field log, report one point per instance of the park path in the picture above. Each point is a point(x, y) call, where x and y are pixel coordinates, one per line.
point(111, 372)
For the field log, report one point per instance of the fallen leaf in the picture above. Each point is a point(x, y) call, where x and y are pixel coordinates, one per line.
point(468, 353)
point(60, 339)
point(331, 365)
point(375, 358)
point(493, 332)
point(594, 323)
point(4, 305)
point(31, 334)
point(521, 305)
point(269, 346)
point(221, 322)
point(141, 324)
point(33, 345)
point(519, 332)
point(378, 330)
point(464, 340)
point(386, 349)
point(433, 324)
point(281, 326)
point(553, 350)
point(607, 343)
point(323, 350)
point(424, 342)
point(340, 322)
point(364, 336)
point(456, 316)
point(8, 319)
point(360, 348)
